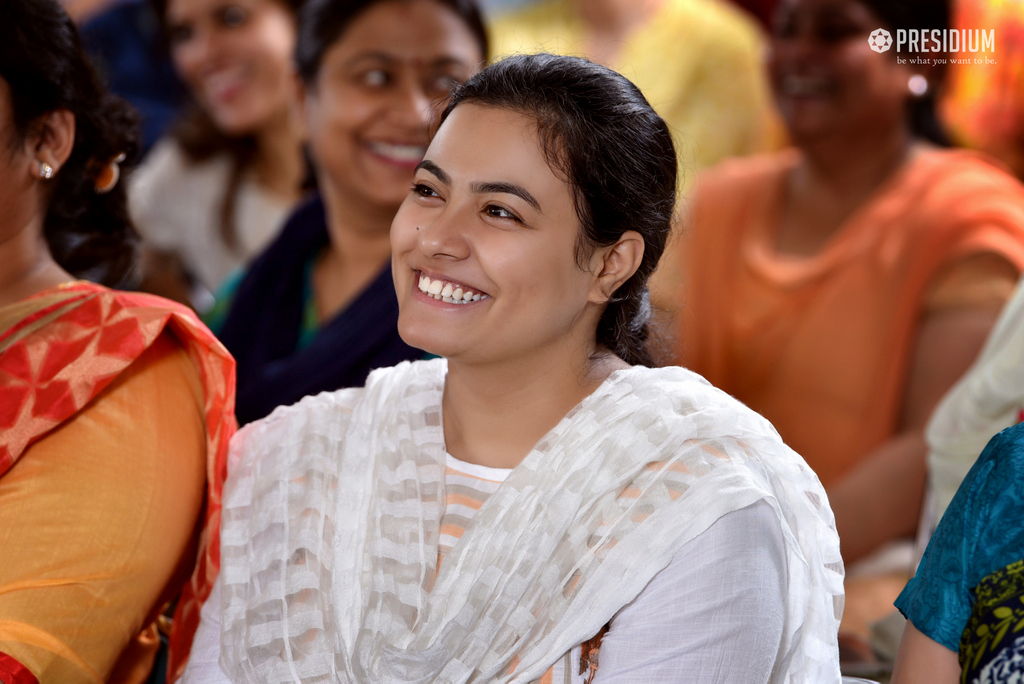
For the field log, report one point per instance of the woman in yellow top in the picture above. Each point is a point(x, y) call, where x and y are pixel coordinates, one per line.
point(114, 408)
point(698, 62)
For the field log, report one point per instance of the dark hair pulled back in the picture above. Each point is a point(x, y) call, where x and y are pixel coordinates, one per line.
point(918, 14)
point(41, 58)
point(600, 133)
point(323, 22)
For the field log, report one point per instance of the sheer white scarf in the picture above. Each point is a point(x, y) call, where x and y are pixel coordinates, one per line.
point(331, 517)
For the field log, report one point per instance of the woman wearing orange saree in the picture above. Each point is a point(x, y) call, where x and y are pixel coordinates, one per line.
point(114, 407)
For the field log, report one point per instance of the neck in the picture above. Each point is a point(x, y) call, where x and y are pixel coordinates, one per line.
point(494, 414)
point(854, 165)
point(28, 266)
point(360, 245)
point(279, 164)
point(615, 19)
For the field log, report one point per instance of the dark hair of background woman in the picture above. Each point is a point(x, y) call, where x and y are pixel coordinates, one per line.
point(918, 14)
point(89, 235)
point(322, 23)
point(201, 140)
point(617, 155)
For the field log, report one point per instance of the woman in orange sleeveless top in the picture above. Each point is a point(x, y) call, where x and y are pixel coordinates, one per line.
point(842, 287)
point(115, 408)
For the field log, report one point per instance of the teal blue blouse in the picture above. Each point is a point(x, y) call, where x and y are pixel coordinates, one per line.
point(967, 594)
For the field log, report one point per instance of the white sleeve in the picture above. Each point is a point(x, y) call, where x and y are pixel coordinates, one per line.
point(714, 614)
point(203, 666)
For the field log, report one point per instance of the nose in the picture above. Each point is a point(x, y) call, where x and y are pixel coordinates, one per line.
point(444, 237)
point(412, 107)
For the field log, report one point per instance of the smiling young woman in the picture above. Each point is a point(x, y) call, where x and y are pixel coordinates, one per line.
point(317, 312)
point(538, 504)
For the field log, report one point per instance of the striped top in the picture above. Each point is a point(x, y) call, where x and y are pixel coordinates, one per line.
point(467, 486)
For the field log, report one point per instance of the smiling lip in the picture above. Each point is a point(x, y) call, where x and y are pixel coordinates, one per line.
point(444, 289)
point(793, 85)
point(224, 85)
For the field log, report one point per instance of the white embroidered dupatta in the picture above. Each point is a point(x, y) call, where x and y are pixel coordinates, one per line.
point(331, 518)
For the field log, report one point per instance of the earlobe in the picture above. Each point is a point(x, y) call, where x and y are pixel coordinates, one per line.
point(53, 142)
point(616, 264)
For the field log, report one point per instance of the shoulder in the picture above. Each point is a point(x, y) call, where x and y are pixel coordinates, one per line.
point(330, 416)
point(167, 165)
point(960, 185)
point(542, 25)
point(721, 27)
point(999, 471)
point(673, 402)
point(168, 176)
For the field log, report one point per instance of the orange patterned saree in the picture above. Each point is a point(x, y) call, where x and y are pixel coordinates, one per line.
point(61, 348)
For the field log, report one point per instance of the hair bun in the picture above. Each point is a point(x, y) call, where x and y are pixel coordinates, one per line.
point(109, 174)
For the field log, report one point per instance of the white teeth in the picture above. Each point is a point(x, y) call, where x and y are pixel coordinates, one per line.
point(450, 293)
point(805, 85)
point(403, 153)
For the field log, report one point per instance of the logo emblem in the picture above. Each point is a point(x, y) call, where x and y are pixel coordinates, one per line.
point(880, 40)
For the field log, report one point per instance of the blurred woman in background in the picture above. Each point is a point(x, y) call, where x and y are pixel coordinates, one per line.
point(841, 288)
point(115, 408)
point(217, 190)
point(317, 311)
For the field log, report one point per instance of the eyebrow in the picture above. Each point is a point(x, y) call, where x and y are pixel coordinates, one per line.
point(493, 186)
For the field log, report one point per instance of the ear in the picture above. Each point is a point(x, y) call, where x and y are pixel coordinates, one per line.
point(51, 139)
point(614, 265)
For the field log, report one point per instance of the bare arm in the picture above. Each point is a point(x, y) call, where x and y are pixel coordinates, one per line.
point(923, 661)
point(881, 499)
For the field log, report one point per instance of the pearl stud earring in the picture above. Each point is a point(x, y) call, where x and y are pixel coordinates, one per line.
point(917, 85)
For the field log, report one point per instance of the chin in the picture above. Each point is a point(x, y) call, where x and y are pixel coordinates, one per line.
point(424, 335)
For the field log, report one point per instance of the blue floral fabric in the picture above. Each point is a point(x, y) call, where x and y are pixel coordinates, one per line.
point(981, 537)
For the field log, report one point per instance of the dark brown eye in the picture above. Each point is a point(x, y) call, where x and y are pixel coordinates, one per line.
point(179, 34)
point(233, 16)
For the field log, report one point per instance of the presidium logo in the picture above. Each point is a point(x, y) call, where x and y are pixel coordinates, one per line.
point(936, 40)
point(880, 40)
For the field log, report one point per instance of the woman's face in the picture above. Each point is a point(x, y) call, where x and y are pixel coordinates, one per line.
point(826, 78)
point(487, 218)
point(370, 113)
point(235, 56)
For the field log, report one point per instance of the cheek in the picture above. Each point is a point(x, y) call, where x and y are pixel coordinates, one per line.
point(272, 45)
point(403, 227)
point(186, 61)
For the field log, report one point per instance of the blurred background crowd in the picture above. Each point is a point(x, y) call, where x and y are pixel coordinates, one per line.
point(852, 225)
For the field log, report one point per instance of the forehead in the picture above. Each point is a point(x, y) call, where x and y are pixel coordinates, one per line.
point(178, 10)
point(410, 30)
point(489, 141)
